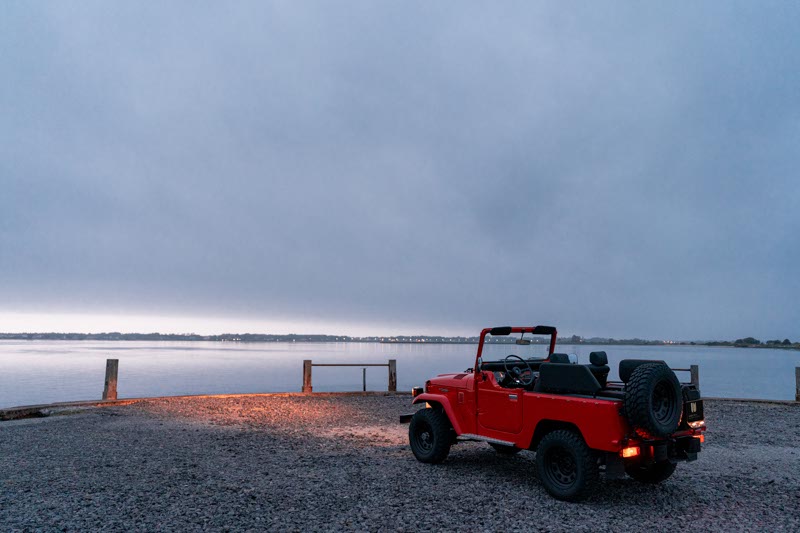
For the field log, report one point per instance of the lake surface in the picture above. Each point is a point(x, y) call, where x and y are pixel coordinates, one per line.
point(33, 372)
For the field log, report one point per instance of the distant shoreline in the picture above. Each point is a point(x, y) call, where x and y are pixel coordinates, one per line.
point(396, 339)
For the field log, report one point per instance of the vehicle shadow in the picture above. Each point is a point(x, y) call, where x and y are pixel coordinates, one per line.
point(487, 467)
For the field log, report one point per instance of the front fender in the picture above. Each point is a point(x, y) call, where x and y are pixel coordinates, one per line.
point(444, 401)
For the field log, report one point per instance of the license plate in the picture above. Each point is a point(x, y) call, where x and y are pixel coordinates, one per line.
point(693, 410)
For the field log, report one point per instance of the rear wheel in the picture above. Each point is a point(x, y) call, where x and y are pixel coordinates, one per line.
point(654, 473)
point(566, 465)
point(502, 449)
point(430, 435)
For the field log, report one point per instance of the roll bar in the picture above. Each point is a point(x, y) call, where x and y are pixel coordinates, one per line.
point(508, 330)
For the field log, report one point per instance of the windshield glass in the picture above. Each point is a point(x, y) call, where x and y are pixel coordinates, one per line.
point(499, 347)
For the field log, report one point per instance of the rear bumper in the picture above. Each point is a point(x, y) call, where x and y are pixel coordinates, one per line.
point(674, 450)
point(686, 448)
point(405, 419)
point(682, 448)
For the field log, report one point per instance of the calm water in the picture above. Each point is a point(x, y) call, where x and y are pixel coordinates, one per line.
point(50, 371)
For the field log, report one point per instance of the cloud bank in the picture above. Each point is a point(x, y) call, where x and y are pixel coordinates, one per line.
point(617, 170)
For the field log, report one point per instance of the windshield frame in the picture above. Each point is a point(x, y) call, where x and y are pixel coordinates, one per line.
point(534, 330)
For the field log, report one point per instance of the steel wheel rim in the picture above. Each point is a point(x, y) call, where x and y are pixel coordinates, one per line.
point(423, 437)
point(663, 406)
point(560, 467)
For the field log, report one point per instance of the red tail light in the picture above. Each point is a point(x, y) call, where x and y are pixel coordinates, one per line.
point(630, 451)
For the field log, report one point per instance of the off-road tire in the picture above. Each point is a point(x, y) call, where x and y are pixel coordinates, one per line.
point(502, 449)
point(567, 467)
point(430, 435)
point(652, 474)
point(653, 401)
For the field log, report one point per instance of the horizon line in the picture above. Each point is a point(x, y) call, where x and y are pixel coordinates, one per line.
point(188, 334)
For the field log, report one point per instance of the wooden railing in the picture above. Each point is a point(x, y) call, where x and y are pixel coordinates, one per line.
point(694, 371)
point(392, 365)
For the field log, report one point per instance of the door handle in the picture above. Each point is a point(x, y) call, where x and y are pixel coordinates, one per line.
point(512, 397)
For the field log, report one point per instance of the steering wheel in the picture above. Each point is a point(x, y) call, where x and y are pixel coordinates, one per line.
point(515, 372)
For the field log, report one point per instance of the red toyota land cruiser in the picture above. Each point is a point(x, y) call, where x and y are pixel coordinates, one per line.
point(576, 421)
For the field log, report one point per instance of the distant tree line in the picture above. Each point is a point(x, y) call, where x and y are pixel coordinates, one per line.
point(750, 342)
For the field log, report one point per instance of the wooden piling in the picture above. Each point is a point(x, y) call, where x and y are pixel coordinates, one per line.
point(695, 372)
point(797, 383)
point(364, 379)
point(110, 388)
point(307, 375)
point(392, 375)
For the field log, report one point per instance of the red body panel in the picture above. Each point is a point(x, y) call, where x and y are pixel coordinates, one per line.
point(455, 417)
point(456, 394)
point(498, 416)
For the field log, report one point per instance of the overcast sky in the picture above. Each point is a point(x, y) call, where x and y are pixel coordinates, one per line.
point(400, 167)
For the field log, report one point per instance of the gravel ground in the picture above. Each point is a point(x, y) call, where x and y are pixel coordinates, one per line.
point(317, 463)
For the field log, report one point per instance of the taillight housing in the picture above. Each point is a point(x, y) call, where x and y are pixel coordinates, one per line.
point(629, 452)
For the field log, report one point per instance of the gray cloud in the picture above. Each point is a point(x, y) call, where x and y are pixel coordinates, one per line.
point(613, 169)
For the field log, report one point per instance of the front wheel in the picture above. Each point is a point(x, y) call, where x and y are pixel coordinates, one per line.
point(566, 465)
point(429, 435)
point(654, 473)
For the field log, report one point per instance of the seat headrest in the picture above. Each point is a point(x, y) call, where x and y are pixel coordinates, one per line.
point(559, 358)
point(598, 358)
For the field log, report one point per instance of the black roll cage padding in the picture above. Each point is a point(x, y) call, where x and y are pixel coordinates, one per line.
point(506, 330)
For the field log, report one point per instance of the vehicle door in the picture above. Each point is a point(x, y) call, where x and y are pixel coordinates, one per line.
point(498, 408)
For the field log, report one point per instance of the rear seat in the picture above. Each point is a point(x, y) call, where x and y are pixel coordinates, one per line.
point(559, 378)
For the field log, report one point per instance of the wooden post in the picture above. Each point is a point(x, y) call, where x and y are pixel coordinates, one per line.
point(695, 371)
point(110, 389)
point(364, 379)
point(307, 375)
point(797, 383)
point(392, 375)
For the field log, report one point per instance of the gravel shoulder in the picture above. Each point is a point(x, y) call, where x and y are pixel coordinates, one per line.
point(320, 464)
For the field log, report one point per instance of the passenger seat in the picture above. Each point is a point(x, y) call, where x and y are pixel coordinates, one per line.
point(598, 365)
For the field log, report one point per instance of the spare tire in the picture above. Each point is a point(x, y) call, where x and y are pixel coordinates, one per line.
point(653, 401)
point(627, 366)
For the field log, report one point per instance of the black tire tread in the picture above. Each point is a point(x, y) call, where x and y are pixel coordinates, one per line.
point(441, 428)
point(583, 454)
point(638, 401)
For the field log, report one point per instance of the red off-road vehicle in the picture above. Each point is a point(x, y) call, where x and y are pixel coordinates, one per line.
point(577, 421)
